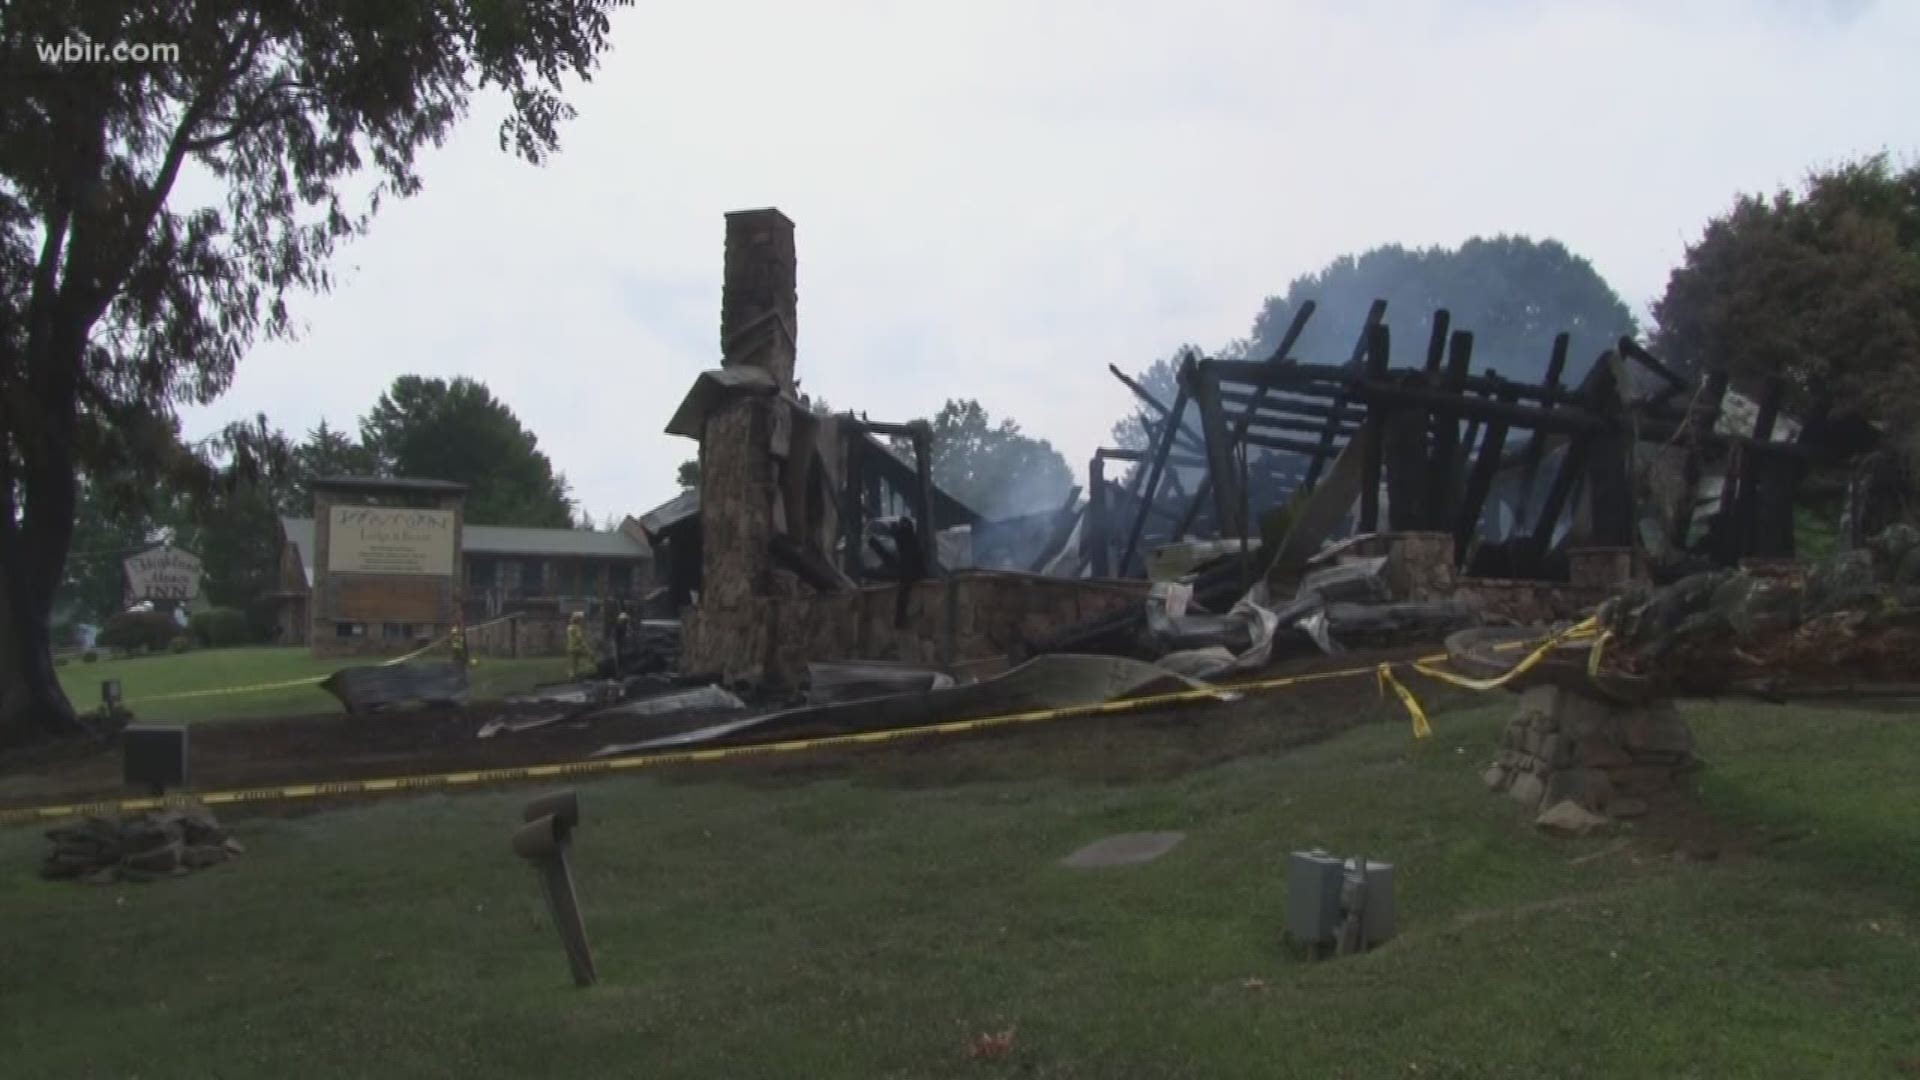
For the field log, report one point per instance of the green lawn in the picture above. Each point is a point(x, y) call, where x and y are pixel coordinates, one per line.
point(868, 918)
point(152, 685)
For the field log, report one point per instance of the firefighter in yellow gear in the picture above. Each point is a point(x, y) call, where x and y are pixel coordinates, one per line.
point(579, 657)
point(457, 642)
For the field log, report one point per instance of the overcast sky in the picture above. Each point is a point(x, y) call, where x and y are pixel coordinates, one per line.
point(997, 199)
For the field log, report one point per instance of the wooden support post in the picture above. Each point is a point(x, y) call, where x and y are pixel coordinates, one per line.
point(1323, 452)
point(1097, 546)
point(1536, 446)
point(853, 511)
point(1204, 388)
point(1405, 455)
point(1374, 432)
point(1446, 433)
point(1156, 465)
point(1610, 466)
point(1479, 483)
point(923, 495)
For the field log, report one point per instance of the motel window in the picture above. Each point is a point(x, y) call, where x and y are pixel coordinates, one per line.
point(567, 575)
point(349, 629)
point(480, 573)
point(533, 578)
point(619, 578)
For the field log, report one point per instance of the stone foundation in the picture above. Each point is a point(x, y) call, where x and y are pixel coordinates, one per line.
point(1606, 759)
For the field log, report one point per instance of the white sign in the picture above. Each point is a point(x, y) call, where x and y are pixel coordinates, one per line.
point(386, 540)
point(164, 573)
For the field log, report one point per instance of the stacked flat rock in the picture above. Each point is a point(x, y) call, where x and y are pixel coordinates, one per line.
point(1603, 758)
point(105, 850)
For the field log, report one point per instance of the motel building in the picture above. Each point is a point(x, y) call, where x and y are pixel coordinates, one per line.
point(387, 564)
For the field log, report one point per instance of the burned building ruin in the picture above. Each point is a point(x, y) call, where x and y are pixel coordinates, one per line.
point(825, 538)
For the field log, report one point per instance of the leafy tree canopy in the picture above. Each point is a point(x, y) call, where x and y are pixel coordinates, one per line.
point(118, 299)
point(459, 431)
point(1514, 293)
point(996, 469)
point(1819, 286)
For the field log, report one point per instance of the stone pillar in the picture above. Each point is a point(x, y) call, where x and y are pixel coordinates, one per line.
point(1419, 564)
point(729, 629)
point(1607, 568)
point(759, 297)
point(1605, 758)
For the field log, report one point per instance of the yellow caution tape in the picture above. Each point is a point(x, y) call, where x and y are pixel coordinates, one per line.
point(567, 769)
point(1382, 673)
point(1425, 666)
point(311, 680)
point(1599, 647)
point(1421, 728)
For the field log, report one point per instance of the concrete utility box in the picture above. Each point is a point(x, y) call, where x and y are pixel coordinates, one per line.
point(1313, 897)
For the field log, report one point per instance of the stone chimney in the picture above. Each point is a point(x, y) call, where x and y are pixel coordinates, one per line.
point(759, 301)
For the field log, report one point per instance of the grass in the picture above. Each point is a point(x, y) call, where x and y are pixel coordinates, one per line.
point(150, 684)
point(868, 919)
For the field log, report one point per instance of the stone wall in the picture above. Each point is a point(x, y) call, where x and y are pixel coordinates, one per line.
point(1529, 602)
point(968, 617)
point(1605, 758)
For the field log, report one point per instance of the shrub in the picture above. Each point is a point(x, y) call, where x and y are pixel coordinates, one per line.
point(138, 631)
point(89, 656)
point(59, 661)
point(181, 643)
point(219, 627)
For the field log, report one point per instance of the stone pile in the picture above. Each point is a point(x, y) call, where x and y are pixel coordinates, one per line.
point(1603, 758)
point(105, 850)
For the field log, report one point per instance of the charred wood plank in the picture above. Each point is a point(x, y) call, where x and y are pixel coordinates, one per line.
point(1480, 482)
point(1157, 464)
point(1221, 473)
point(1378, 341)
point(1443, 408)
point(1375, 315)
point(1536, 446)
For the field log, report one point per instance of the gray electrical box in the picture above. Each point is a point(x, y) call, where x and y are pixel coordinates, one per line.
point(1380, 920)
point(1313, 897)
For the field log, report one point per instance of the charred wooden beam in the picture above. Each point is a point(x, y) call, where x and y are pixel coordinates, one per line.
point(929, 534)
point(1405, 456)
point(1373, 432)
point(1530, 462)
point(852, 510)
point(1241, 402)
point(1156, 465)
point(1097, 545)
point(1375, 315)
point(1221, 473)
point(1562, 420)
point(1442, 405)
point(1610, 475)
point(1479, 483)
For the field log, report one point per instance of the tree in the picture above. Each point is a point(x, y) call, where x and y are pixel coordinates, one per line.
point(119, 299)
point(688, 475)
point(1515, 294)
point(328, 451)
point(994, 468)
point(1821, 288)
point(459, 431)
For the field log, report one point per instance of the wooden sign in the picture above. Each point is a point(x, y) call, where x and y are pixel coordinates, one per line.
point(164, 573)
point(386, 540)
